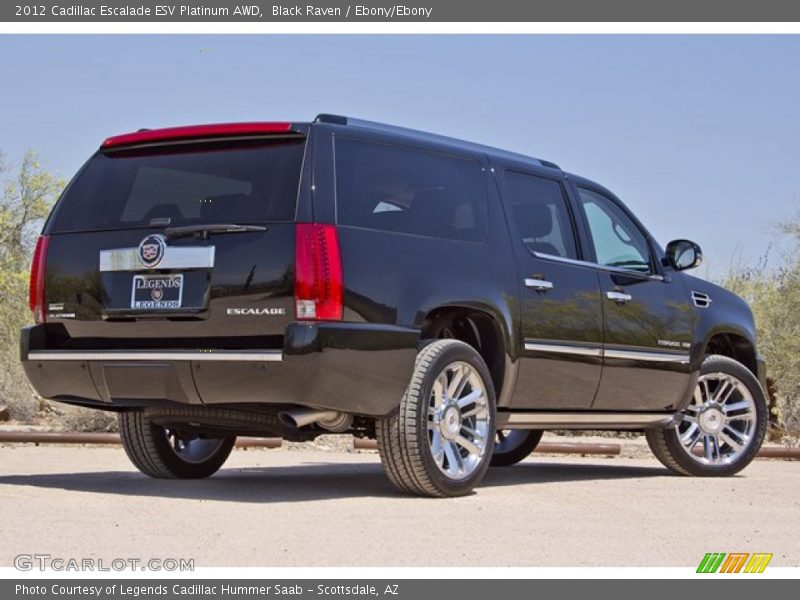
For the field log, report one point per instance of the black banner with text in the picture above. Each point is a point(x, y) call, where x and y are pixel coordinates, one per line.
point(410, 11)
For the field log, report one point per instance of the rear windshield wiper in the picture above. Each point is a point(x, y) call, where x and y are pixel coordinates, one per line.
point(204, 231)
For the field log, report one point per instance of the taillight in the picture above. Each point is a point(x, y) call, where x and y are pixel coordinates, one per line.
point(36, 300)
point(318, 273)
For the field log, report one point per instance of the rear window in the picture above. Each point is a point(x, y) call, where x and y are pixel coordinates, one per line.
point(399, 189)
point(215, 183)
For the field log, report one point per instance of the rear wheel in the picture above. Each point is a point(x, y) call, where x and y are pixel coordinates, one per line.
point(169, 453)
point(514, 445)
point(722, 428)
point(440, 440)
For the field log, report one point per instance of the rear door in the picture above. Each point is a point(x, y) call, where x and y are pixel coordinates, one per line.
point(122, 273)
point(560, 306)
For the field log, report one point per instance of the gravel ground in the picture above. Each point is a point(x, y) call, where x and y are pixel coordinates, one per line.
point(327, 508)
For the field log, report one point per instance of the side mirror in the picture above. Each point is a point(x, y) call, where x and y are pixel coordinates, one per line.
point(682, 255)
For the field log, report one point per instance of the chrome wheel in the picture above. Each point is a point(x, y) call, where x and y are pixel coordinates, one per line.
point(719, 424)
point(192, 448)
point(458, 420)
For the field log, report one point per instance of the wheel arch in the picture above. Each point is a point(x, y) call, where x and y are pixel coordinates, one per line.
point(725, 339)
point(733, 344)
point(483, 328)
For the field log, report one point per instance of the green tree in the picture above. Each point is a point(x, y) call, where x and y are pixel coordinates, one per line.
point(26, 202)
point(27, 196)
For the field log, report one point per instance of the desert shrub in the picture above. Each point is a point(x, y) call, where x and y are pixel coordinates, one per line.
point(773, 292)
point(75, 418)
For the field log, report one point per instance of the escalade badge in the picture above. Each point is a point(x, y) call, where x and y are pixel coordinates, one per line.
point(237, 312)
point(151, 250)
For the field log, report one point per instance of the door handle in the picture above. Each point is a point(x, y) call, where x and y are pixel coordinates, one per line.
point(540, 285)
point(618, 297)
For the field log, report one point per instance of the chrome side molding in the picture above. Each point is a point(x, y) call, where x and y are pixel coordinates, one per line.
point(158, 355)
point(668, 357)
point(682, 358)
point(584, 420)
point(565, 349)
point(599, 267)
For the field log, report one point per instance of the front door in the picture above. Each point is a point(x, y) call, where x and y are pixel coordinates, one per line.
point(648, 316)
point(561, 311)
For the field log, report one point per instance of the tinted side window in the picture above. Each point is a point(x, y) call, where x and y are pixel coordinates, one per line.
point(540, 214)
point(393, 188)
point(617, 241)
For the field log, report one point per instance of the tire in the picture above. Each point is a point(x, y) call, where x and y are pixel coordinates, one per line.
point(407, 438)
point(731, 428)
point(165, 453)
point(513, 446)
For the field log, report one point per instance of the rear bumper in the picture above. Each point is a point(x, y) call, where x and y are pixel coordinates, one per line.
point(352, 367)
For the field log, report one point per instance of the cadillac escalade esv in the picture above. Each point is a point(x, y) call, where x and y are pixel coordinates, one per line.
point(449, 299)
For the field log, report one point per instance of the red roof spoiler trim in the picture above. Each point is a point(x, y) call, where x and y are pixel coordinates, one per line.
point(196, 132)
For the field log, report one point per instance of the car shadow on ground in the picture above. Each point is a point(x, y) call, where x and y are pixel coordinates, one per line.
point(309, 481)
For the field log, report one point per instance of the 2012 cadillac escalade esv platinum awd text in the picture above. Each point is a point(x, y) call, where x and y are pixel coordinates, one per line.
point(449, 299)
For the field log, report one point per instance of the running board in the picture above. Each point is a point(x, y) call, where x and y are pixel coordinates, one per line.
point(584, 420)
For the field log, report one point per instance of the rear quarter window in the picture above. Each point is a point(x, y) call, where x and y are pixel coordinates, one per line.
point(212, 183)
point(405, 190)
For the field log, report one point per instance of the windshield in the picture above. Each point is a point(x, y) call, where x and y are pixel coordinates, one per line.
point(169, 186)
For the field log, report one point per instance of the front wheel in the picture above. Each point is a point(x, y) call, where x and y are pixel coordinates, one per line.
point(440, 440)
point(723, 426)
point(512, 446)
point(168, 453)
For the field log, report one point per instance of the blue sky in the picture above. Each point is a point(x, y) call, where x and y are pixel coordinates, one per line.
point(700, 135)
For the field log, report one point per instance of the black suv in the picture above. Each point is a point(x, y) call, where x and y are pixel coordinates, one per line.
point(449, 299)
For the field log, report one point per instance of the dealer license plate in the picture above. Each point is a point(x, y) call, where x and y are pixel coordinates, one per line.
point(157, 292)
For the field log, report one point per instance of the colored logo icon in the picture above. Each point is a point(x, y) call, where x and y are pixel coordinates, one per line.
point(734, 562)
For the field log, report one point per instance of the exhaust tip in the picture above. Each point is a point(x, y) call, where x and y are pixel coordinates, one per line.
point(327, 419)
point(287, 420)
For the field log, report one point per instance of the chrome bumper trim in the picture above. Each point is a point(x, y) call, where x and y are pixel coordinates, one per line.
point(159, 355)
